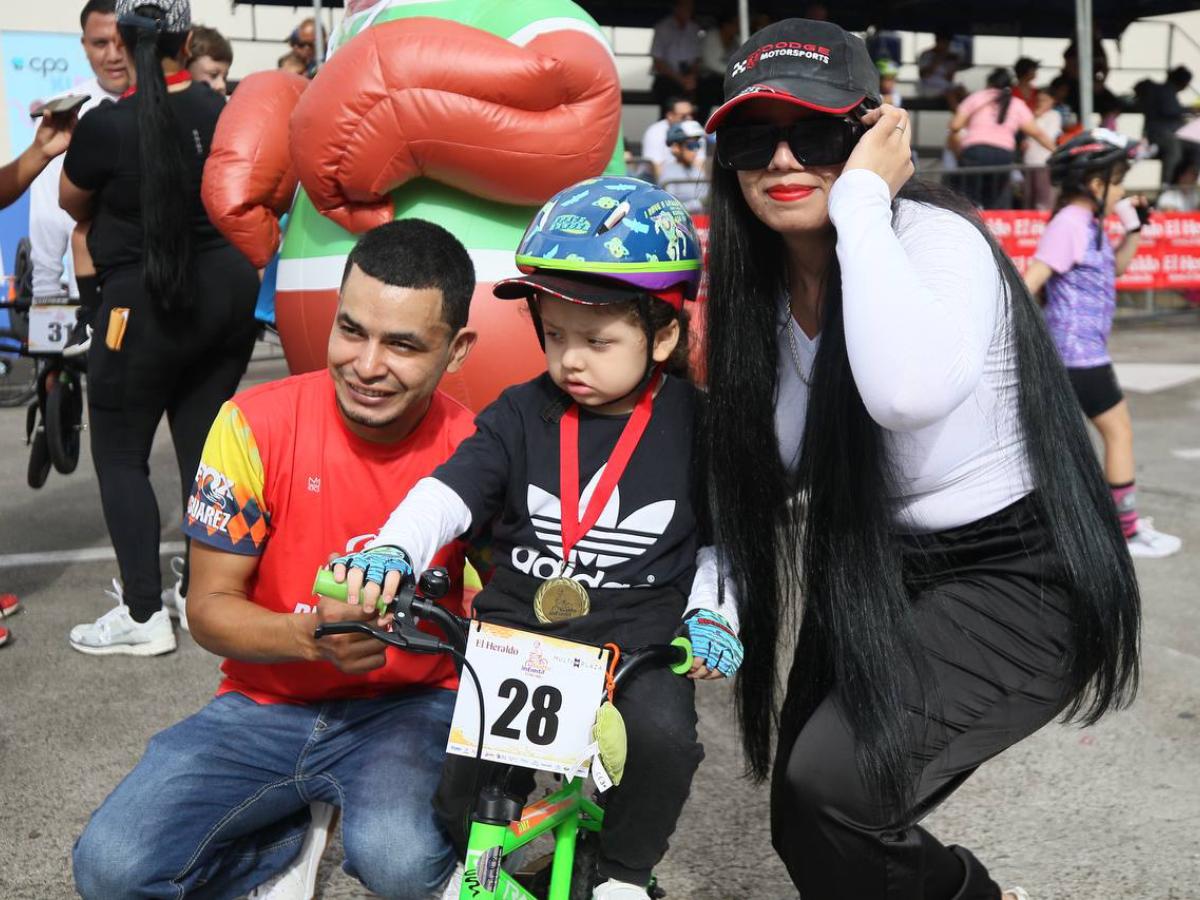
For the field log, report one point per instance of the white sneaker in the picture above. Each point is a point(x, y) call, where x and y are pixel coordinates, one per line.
point(1150, 544)
point(116, 632)
point(454, 886)
point(619, 890)
point(299, 880)
point(174, 602)
point(1015, 893)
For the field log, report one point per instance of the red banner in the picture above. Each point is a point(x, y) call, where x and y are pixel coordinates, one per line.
point(1168, 256)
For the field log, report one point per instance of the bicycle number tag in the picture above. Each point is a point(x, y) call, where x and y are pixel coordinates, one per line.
point(540, 697)
point(49, 327)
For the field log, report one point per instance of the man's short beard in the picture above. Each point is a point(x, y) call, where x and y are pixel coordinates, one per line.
point(365, 421)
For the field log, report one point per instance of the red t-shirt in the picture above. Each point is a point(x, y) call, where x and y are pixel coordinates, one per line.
point(284, 479)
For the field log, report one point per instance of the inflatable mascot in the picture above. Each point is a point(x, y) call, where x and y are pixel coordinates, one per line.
point(468, 113)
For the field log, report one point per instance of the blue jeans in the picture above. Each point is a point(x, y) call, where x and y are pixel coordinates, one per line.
point(219, 802)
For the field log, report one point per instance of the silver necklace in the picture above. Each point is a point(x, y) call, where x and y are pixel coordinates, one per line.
point(791, 323)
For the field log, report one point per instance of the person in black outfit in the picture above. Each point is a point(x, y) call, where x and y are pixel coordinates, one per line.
point(175, 326)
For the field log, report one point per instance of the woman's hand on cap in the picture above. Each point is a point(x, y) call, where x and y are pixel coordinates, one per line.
point(886, 148)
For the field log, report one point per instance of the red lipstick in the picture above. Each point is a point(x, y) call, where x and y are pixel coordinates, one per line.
point(789, 193)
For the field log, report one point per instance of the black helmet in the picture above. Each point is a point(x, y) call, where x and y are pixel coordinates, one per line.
point(1090, 152)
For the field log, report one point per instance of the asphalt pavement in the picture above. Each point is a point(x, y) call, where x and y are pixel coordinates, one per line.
point(1070, 814)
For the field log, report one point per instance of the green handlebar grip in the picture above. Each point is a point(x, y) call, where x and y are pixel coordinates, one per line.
point(325, 586)
point(686, 666)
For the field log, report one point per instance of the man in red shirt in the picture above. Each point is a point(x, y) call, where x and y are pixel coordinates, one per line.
point(290, 469)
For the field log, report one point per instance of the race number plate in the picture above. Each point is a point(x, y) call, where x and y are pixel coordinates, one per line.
point(49, 327)
point(540, 698)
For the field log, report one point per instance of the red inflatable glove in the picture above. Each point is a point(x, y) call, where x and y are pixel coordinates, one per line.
point(429, 97)
point(249, 179)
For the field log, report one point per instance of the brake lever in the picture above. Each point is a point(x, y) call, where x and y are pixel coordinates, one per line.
point(406, 637)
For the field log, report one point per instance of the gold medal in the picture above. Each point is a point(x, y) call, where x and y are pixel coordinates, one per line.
point(559, 599)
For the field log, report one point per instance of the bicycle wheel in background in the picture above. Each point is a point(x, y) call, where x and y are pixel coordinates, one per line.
point(39, 461)
point(18, 380)
point(64, 412)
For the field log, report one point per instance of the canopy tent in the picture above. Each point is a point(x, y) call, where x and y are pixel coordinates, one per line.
point(1024, 18)
point(1027, 18)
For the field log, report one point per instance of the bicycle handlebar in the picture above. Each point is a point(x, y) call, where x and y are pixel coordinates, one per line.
point(415, 598)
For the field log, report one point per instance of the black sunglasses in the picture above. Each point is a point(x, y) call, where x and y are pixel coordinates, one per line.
point(814, 142)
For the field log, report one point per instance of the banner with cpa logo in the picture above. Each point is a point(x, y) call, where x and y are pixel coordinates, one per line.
point(37, 65)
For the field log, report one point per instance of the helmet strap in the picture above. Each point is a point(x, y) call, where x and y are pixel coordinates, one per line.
point(1101, 202)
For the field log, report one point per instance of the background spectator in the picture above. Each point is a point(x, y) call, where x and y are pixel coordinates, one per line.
point(674, 52)
point(937, 67)
point(49, 141)
point(211, 55)
point(992, 117)
point(888, 70)
point(1104, 101)
point(883, 44)
point(1164, 115)
point(654, 140)
point(684, 174)
point(49, 226)
point(1183, 194)
point(175, 326)
point(303, 41)
point(1039, 194)
point(291, 62)
point(719, 43)
point(1026, 70)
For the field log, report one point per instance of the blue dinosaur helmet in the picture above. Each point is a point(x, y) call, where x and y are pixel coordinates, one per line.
point(608, 240)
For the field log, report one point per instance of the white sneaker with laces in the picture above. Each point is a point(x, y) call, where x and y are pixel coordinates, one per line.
point(117, 632)
point(299, 880)
point(619, 890)
point(173, 601)
point(1148, 543)
point(454, 886)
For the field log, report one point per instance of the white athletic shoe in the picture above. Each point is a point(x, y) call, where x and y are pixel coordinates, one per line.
point(454, 886)
point(619, 890)
point(116, 632)
point(299, 880)
point(174, 602)
point(1148, 543)
point(1015, 893)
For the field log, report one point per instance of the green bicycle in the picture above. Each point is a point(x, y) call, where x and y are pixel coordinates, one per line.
point(501, 825)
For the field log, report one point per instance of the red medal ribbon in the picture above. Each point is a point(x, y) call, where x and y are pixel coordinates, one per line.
point(179, 77)
point(573, 528)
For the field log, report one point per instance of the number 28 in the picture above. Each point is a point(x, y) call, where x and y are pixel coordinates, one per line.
point(542, 725)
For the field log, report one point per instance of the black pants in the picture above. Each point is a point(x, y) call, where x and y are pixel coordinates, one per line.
point(658, 706)
point(186, 366)
point(988, 190)
point(994, 627)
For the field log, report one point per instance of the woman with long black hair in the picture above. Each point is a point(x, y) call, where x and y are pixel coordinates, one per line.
point(175, 326)
point(899, 479)
point(991, 120)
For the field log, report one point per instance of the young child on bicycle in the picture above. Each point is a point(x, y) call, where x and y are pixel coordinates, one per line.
point(1079, 267)
point(582, 482)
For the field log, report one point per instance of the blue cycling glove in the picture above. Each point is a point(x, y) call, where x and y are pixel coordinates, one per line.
point(377, 562)
point(714, 641)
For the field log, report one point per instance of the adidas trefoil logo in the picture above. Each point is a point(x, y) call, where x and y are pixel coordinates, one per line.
point(611, 542)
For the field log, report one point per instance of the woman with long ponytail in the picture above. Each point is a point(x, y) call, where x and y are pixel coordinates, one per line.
point(992, 118)
point(175, 326)
point(905, 496)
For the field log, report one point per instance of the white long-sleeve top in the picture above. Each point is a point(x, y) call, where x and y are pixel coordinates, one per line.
point(49, 225)
point(432, 515)
point(930, 347)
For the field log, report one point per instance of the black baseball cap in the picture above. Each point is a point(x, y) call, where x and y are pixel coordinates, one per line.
point(807, 63)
